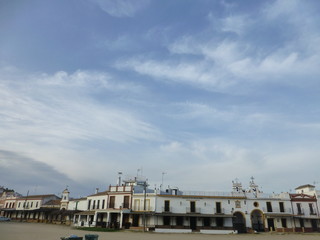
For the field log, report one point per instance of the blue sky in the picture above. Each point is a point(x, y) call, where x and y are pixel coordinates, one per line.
point(206, 91)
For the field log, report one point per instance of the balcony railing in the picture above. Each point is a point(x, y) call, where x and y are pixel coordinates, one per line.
point(313, 212)
point(219, 211)
point(166, 209)
point(277, 210)
point(300, 212)
point(193, 210)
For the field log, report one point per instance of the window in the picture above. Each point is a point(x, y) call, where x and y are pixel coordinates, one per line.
point(37, 204)
point(94, 204)
point(31, 204)
point(112, 201)
point(19, 205)
point(103, 202)
point(192, 206)
point(299, 208)
point(281, 205)
point(311, 209)
point(136, 205)
point(256, 204)
point(269, 207)
point(218, 207)
point(89, 204)
point(126, 202)
point(167, 206)
point(98, 204)
point(147, 208)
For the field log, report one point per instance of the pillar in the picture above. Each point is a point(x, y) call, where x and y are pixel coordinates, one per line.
point(121, 219)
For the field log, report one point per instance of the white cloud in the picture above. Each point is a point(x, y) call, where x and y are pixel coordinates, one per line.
point(237, 24)
point(198, 74)
point(62, 107)
point(121, 8)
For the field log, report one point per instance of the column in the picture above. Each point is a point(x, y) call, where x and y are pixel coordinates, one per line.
point(121, 218)
point(108, 220)
point(94, 223)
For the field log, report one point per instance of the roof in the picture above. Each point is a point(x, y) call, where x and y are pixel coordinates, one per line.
point(53, 202)
point(99, 194)
point(305, 186)
point(37, 196)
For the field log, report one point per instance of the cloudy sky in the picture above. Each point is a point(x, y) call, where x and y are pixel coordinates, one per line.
point(206, 91)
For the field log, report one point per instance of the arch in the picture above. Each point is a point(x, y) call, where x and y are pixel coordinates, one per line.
point(239, 222)
point(257, 220)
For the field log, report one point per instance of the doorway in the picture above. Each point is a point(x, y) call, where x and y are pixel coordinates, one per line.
point(257, 221)
point(193, 223)
point(239, 222)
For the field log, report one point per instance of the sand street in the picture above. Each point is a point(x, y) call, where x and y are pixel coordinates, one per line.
point(32, 231)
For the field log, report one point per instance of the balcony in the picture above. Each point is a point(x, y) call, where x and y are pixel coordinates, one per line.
point(193, 210)
point(313, 212)
point(167, 209)
point(276, 210)
point(300, 212)
point(219, 211)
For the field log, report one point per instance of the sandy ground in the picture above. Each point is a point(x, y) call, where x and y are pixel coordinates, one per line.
point(37, 231)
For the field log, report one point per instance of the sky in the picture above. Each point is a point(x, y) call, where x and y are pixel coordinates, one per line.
point(191, 94)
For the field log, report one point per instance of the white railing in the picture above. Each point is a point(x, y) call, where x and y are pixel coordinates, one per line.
point(277, 210)
point(219, 211)
point(167, 209)
point(193, 210)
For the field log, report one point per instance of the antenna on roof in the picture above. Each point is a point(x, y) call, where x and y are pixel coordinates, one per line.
point(163, 173)
point(119, 180)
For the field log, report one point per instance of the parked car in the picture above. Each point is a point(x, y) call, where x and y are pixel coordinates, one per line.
point(2, 218)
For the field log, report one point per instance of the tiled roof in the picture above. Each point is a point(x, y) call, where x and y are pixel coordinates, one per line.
point(53, 202)
point(38, 196)
point(305, 186)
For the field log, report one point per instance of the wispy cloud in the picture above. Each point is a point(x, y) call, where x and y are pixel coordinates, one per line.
point(63, 106)
point(220, 64)
point(121, 8)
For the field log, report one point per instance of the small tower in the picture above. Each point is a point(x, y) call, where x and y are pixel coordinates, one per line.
point(65, 199)
point(254, 188)
point(236, 186)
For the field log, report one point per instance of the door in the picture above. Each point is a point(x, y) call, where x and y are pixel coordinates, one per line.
point(257, 221)
point(314, 225)
point(193, 223)
point(271, 224)
point(135, 220)
point(239, 222)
